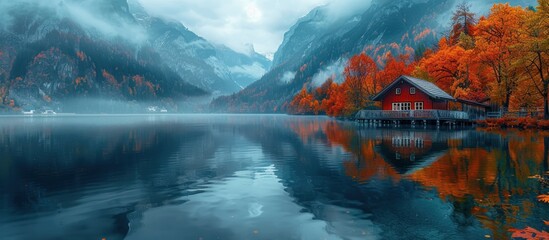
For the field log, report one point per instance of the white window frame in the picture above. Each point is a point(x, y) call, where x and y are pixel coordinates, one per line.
point(412, 90)
point(406, 106)
point(402, 106)
point(398, 91)
point(396, 107)
point(419, 106)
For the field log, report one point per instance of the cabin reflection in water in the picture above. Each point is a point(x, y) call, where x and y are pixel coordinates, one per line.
point(485, 176)
point(408, 151)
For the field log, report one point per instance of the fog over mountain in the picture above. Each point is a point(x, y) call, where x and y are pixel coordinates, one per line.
point(221, 70)
point(141, 52)
point(54, 52)
point(318, 45)
point(236, 23)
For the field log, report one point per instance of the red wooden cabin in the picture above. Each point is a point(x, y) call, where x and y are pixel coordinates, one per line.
point(408, 93)
point(411, 99)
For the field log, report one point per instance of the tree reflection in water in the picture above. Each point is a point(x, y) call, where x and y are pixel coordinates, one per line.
point(231, 176)
point(485, 176)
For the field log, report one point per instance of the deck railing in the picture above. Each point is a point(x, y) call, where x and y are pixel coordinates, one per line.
point(411, 115)
point(538, 112)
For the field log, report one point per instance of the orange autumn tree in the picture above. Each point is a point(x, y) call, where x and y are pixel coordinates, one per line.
point(495, 37)
point(335, 102)
point(442, 66)
point(533, 46)
point(454, 65)
point(363, 79)
point(394, 68)
point(304, 103)
point(463, 22)
point(455, 69)
point(324, 90)
point(504, 56)
point(361, 82)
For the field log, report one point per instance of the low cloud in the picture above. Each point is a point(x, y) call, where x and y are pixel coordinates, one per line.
point(7, 7)
point(287, 77)
point(347, 8)
point(255, 70)
point(86, 13)
point(90, 17)
point(334, 71)
point(235, 23)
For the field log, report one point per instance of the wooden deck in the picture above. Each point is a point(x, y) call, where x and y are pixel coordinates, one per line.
point(412, 115)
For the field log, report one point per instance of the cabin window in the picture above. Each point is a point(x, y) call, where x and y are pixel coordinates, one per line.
point(406, 106)
point(403, 106)
point(397, 91)
point(413, 90)
point(419, 106)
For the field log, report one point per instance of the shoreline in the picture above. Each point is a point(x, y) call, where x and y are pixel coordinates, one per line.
point(520, 123)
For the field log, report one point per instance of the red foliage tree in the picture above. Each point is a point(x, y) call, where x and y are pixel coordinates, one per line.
point(304, 103)
point(463, 21)
point(361, 82)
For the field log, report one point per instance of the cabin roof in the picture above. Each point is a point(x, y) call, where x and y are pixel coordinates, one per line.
point(425, 86)
point(469, 102)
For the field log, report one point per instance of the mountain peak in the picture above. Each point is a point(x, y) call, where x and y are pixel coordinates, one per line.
point(250, 49)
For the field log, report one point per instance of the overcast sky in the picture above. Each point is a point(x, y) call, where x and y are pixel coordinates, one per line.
point(236, 22)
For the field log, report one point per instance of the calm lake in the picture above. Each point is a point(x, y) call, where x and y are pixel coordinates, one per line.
point(263, 177)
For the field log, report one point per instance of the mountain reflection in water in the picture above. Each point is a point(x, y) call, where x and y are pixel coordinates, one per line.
point(263, 177)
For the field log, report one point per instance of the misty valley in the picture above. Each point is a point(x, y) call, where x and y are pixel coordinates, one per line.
point(248, 119)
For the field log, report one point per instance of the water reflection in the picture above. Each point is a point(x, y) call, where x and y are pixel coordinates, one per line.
point(484, 176)
point(248, 176)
